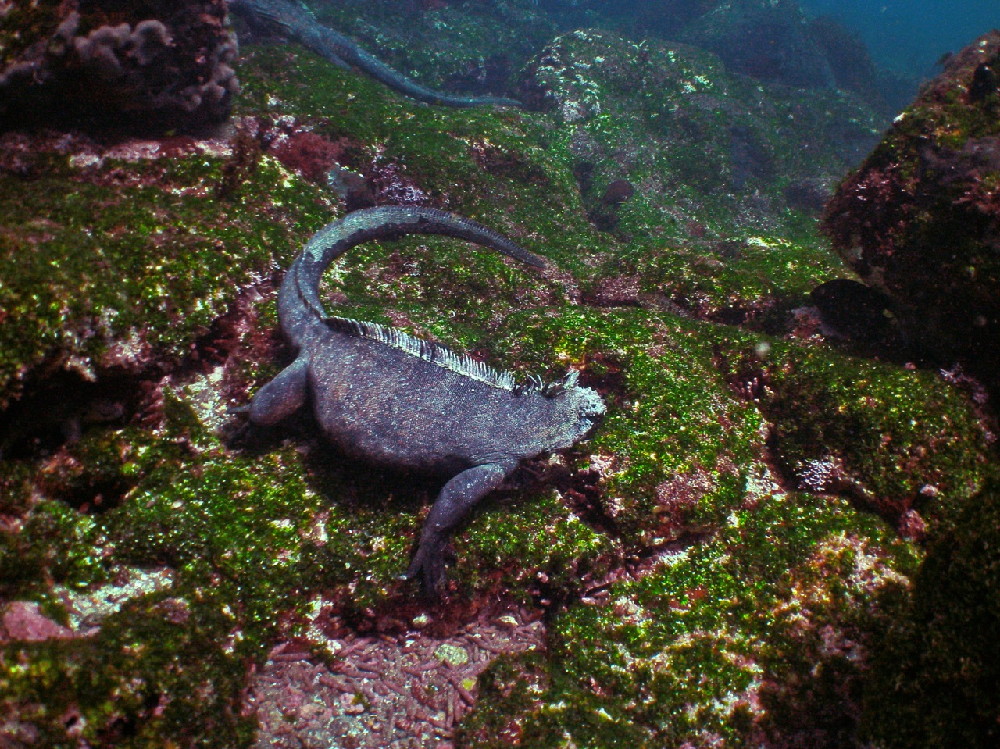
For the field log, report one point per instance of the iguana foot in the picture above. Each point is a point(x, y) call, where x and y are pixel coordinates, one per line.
point(428, 564)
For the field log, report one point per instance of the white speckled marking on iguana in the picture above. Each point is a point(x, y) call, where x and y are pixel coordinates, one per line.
point(407, 403)
point(299, 23)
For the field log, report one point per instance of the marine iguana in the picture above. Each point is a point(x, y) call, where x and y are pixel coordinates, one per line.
point(299, 23)
point(402, 402)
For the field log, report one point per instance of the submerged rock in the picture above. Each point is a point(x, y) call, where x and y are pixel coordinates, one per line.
point(111, 65)
point(935, 670)
point(765, 39)
point(699, 144)
point(921, 217)
point(854, 310)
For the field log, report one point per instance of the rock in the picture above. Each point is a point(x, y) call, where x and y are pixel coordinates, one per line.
point(808, 194)
point(851, 65)
point(698, 136)
point(22, 620)
point(162, 65)
point(853, 310)
point(921, 217)
point(764, 39)
point(935, 672)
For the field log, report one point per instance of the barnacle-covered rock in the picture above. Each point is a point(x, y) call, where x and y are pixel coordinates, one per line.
point(110, 63)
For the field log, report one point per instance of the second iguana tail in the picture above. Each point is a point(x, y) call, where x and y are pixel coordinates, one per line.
point(301, 25)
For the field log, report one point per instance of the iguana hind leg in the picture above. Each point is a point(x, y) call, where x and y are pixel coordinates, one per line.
point(457, 498)
point(282, 396)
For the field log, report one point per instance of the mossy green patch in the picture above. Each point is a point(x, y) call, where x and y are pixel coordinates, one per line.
point(158, 671)
point(908, 438)
point(535, 544)
point(729, 280)
point(685, 652)
point(132, 255)
point(439, 288)
point(239, 533)
point(56, 544)
point(673, 447)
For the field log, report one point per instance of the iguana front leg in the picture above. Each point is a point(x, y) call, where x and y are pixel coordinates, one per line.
point(459, 495)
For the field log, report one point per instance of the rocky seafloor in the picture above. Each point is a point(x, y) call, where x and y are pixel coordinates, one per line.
point(779, 536)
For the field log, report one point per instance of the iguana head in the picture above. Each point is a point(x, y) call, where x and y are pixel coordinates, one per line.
point(579, 409)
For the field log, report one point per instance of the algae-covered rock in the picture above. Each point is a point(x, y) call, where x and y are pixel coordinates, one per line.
point(920, 217)
point(459, 47)
point(712, 165)
point(170, 577)
point(112, 65)
point(122, 270)
point(937, 666)
point(755, 635)
point(853, 427)
point(767, 40)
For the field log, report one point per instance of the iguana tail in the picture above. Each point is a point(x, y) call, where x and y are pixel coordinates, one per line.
point(299, 302)
point(298, 23)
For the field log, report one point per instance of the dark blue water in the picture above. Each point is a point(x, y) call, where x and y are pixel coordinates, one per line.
point(909, 36)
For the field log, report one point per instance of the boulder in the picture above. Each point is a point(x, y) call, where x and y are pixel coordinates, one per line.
point(148, 65)
point(921, 217)
point(769, 41)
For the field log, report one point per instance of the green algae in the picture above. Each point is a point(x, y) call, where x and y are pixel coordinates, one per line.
point(88, 262)
point(728, 280)
point(683, 653)
point(411, 282)
point(453, 41)
point(534, 544)
point(509, 180)
point(482, 149)
point(130, 696)
point(244, 559)
point(691, 651)
point(55, 545)
point(908, 438)
point(671, 449)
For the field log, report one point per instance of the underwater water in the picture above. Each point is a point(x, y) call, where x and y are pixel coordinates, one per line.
point(766, 510)
point(910, 36)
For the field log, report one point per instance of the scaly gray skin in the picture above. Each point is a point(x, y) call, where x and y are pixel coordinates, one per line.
point(410, 404)
point(298, 23)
